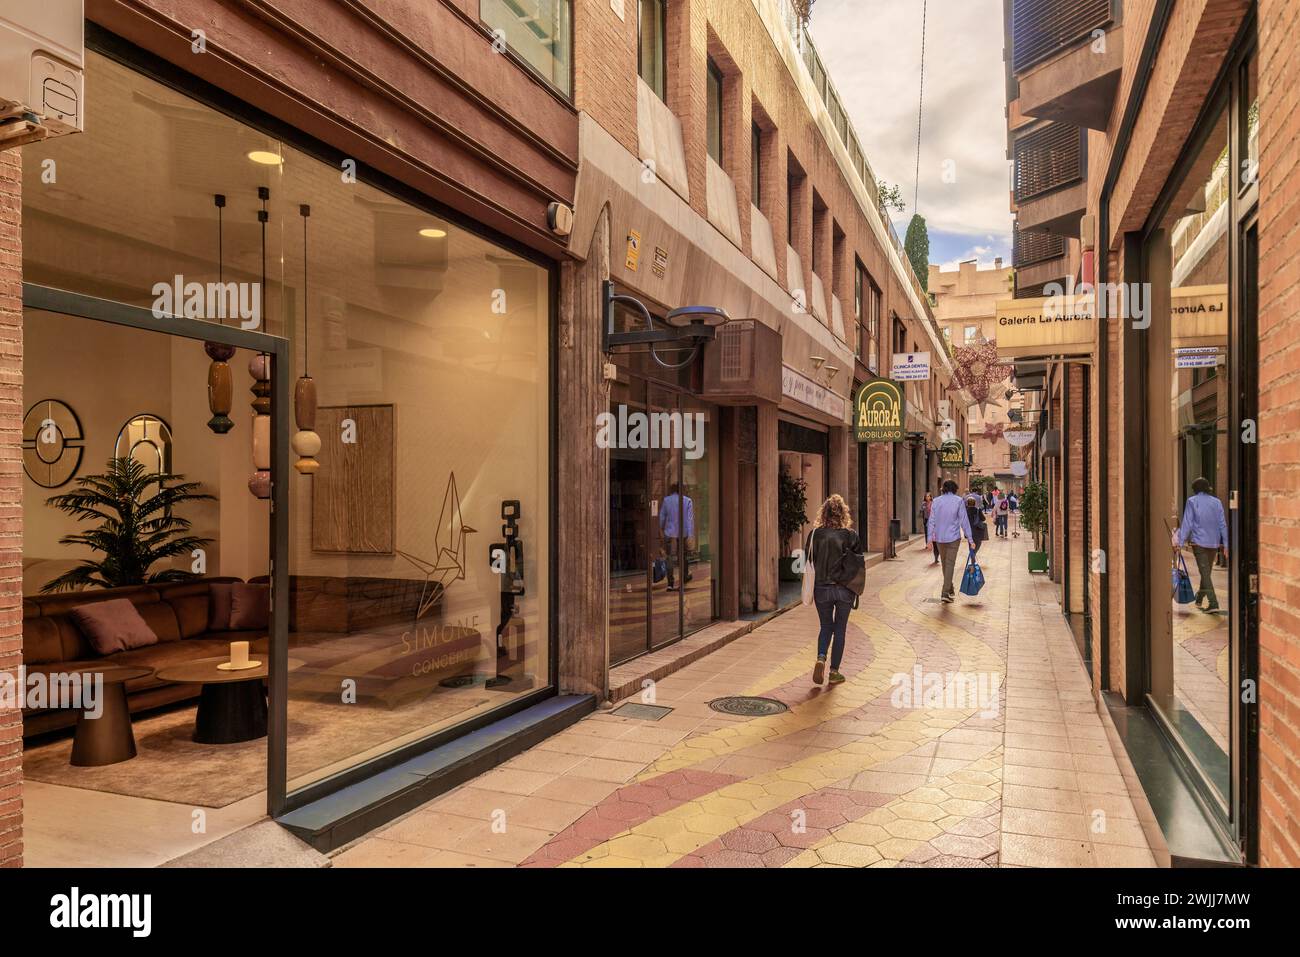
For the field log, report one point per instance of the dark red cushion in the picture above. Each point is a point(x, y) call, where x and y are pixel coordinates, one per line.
point(250, 606)
point(112, 626)
point(219, 606)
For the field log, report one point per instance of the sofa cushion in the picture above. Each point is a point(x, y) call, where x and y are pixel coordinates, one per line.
point(219, 606)
point(112, 626)
point(250, 606)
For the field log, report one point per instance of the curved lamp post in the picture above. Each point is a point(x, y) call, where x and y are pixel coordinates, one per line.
point(691, 326)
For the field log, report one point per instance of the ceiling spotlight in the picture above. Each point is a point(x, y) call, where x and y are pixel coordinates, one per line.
point(817, 360)
point(432, 232)
point(266, 158)
point(831, 371)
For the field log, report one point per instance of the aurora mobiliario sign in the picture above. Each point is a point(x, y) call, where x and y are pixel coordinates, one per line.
point(878, 412)
point(952, 455)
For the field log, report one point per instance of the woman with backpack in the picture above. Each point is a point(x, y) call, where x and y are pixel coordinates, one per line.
point(1001, 513)
point(978, 526)
point(838, 570)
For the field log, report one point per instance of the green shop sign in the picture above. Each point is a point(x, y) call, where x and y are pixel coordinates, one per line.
point(952, 455)
point(878, 412)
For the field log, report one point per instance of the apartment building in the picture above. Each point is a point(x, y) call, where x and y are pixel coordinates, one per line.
point(965, 307)
point(1153, 148)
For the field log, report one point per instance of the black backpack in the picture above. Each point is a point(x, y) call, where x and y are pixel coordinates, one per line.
point(850, 570)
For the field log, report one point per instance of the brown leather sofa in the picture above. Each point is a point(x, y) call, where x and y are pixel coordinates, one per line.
point(178, 614)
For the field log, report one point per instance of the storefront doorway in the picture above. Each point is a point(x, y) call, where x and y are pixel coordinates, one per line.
point(1201, 509)
point(663, 494)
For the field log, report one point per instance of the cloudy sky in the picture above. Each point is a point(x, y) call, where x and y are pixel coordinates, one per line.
point(872, 51)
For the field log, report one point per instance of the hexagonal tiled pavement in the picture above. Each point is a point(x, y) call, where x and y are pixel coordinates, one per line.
point(995, 756)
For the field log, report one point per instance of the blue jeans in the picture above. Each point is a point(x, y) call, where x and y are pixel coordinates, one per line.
point(833, 605)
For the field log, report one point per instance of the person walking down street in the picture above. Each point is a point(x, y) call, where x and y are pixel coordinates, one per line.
point(1205, 526)
point(831, 537)
point(1001, 514)
point(677, 528)
point(948, 521)
point(925, 522)
point(978, 524)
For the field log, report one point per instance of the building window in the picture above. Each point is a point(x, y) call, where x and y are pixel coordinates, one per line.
point(542, 37)
point(714, 106)
point(651, 27)
point(790, 193)
point(755, 165)
point(970, 335)
point(857, 308)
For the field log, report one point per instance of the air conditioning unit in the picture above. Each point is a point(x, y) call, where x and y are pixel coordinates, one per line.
point(42, 64)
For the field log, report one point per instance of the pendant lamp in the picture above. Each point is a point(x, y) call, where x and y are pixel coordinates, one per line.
point(306, 442)
point(259, 367)
point(220, 384)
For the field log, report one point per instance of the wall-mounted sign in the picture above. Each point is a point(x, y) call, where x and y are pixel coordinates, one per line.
point(1019, 469)
point(633, 249)
point(660, 266)
point(878, 412)
point(798, 386)
point(910, 367)
point(1197, 357)
point(1051, 326)
point(1199, 316)
point(1019, 437)
point(952, 455)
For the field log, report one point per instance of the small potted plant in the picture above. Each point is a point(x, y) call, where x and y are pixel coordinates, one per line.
point(792, 498)
point(1033, 519)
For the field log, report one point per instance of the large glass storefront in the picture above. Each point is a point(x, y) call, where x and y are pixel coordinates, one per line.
point(1201, 402)
point(663, 501)
point(418, 533)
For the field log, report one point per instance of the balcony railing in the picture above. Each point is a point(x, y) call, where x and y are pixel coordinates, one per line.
point(1048, 158)
point(1029, 248)
point(1040, 28)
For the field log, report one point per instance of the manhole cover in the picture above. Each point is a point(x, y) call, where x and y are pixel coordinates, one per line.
point(650, 712)
point(747, 706)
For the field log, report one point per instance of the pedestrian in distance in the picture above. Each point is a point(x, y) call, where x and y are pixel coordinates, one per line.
point(1205, 526)
point(978, 523)
point(925, 522)
point(1001, 515)
point(948, 521)
point(833, 545)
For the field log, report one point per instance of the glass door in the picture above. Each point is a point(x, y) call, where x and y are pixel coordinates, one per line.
point(630, 561)
point(672, 521)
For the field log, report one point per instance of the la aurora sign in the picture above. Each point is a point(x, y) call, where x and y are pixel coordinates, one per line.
point(1048, 326)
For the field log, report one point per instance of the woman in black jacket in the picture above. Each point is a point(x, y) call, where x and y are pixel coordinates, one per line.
point(978, 525)
point(832, 535)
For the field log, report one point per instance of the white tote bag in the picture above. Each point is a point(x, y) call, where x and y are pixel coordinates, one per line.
point(809, 573)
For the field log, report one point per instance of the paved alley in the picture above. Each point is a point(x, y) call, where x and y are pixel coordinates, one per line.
point(845, 777)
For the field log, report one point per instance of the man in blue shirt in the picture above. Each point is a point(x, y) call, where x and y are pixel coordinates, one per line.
point(676, 525)
point(1205, 526)
point(947, 523)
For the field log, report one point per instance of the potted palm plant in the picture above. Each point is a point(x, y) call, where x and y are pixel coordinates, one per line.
point(792, 502)
point(1033, 519)
point(137, 526)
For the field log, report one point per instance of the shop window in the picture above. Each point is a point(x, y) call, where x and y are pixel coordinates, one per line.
point(428, 349)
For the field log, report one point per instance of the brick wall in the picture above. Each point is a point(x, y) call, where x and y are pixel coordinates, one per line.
point(1279, 435)
point(11, 501)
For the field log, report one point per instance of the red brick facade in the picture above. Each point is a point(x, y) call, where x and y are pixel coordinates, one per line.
point(1279, 435)
point(11, 504)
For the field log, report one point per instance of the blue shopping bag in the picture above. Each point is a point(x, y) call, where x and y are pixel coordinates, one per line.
point(1184, 594)
point(972, 580)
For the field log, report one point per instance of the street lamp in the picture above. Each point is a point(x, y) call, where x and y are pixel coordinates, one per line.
point(691, 326)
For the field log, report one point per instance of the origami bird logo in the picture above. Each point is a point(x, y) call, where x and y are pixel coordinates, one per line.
point(450, 563)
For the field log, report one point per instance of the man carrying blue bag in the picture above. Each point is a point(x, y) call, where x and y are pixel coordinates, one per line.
point(972, 580)
point(947, 523)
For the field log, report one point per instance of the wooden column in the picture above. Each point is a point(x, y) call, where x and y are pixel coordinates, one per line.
point(768, 472)
point(729, 519)
point(838, 440)
point(583, 474)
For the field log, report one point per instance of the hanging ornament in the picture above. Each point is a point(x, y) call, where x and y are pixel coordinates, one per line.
point(259, 367)
point(221, 388)
point(978, 369)
point(306, 443)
